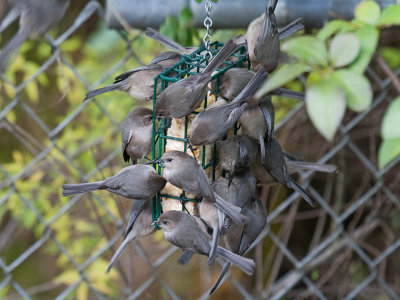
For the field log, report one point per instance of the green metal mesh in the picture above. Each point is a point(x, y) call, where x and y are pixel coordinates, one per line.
point(189, 65)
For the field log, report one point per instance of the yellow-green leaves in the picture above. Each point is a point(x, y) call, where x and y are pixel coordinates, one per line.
point(390, 147)
point(390, 16)
point(367, 12)
point(308, 49)
point(391, 121)
point(281, 77)
point(344, 49)
point(333, 27)
point(368, 36)
point(326, 104)
point(356, 87)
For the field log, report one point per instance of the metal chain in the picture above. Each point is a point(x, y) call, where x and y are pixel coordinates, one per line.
point(207, 39)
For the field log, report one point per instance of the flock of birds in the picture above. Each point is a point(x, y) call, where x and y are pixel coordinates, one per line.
point(228, 207)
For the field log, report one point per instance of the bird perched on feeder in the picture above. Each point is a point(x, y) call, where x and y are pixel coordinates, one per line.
point(239, 238)
point(189, 233)
point(183, 171)
point(293, 165)
point(263, 38)
point(236, 153)
point(36, 19)
point(257, 122)
point(184, 96)
point(139, 182)
point(214, 123)
point(140, 224)
point(234, 80)
point(246, 184)
point(137, 133)
point(276, 166)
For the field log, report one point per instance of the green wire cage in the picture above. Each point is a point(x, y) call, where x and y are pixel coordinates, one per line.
point(189, 65)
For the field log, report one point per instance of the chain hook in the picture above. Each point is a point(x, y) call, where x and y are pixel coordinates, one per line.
point(207, 39)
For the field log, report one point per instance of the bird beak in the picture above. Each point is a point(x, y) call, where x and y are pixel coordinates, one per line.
point(154, 161)
point(154, 223)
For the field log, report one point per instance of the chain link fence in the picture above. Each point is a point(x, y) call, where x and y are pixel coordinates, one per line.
point(346, 248)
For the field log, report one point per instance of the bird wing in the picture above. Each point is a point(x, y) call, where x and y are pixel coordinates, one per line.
point(125, 75)
point(126, 138)
point(136, 209)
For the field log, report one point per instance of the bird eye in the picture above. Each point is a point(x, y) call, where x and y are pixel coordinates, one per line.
point(169, 159)
point(165, 222)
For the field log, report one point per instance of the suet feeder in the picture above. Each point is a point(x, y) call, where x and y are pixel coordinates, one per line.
point(175, 135)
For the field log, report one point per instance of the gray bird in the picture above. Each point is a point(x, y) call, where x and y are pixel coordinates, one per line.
point(140, 224)
point(276, 166)
point(233, 81)
point(264, 38)
point(137, 133)
point(139, 182)
point(213, 124)
point(36, 19)
point(294, 165)
point(215, 218)
point(188, 233)
point(236, 153)
point(267, 48)
point(257, 122)
point(246, 184)
point(138, 83)
point(239, 238)
point(183, 171)
point(184, 96)
point(162, 39)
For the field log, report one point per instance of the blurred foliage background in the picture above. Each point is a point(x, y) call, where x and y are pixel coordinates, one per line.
point(52, 246)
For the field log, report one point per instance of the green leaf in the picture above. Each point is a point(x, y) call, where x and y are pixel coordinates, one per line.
point(308, 49)
point(344, 49)
point(391, 121)
point(185, 17)
point(390, 16)
point(333, 27)
point(281, 77)
point(368, 36)
point(357, 88)
point(326, 104)
point(367, 12)
point(388, 151)
point(391, 55)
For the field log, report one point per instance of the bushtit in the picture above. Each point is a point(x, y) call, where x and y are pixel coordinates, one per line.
point(293, 165)
point(257, 122)
point(213, 124)
point(234, 80)
point(139, 83)
point(263, 38)
point(140, 224)
point(236, 153)
point(275, 164)
point(231, 83)
point(137, 133)
point(183, 171)
point(211, 216)
point(162, 39)
point(240, 238)
point(187, 232)
point(36, 19)
point(267, 50)
point(246, 184)
point(139, 182)
point(184, 96)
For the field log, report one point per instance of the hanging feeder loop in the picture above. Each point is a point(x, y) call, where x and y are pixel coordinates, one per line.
point(207, 39)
